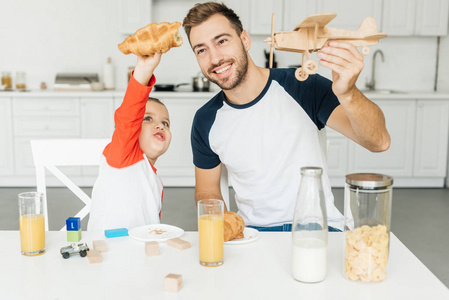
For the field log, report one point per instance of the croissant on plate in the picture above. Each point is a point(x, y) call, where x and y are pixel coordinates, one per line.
point(233, 226)
point(155, 37)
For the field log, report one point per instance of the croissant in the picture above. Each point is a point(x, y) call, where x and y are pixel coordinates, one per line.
point(233, 226)
point(152, 38)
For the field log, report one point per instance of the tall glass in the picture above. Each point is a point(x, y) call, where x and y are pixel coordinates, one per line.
point(31, 223)
point(367, 226)
point(211, 232)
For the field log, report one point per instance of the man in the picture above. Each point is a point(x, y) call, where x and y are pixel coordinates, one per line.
point(264, 124)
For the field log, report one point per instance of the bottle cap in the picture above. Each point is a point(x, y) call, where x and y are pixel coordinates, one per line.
point(314, 171)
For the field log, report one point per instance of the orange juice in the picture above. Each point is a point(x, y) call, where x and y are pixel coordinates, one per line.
point(32, 234)
point(211, 236)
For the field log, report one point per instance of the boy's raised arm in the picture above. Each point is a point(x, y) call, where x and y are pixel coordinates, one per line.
point(124, 149)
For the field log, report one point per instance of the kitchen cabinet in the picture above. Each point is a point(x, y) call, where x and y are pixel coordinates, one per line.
point(260, 16)
point(290, 13)
point(175, 167)
point(398, 160)
point(296, 11)
point(415, 17)
point(337, 153)
point(419, 131)
point(431, 138)
point(40, 118)
point(97, 121)
point(133, 14)
point(48, 115)
point(93, 110)
point(242, 9)
point(6, 146)
point(350, 13)
point(418, 125)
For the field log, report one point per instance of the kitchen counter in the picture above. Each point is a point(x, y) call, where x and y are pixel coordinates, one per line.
point(190, 94)
point(103, 94)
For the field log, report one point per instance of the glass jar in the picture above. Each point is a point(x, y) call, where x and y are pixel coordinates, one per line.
point(21, 81)
point(6, 80)
point(309, 229)
point(367, 226)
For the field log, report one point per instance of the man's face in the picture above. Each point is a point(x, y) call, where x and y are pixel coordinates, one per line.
point(220, 52)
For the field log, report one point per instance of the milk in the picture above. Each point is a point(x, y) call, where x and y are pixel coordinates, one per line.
point(309, 260)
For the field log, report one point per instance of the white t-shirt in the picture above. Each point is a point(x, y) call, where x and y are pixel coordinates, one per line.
point(265, 143)
point(128, 193)
point(125, 197)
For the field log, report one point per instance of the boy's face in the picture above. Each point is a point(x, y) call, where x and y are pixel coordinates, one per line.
point(155, 136)
point(220, 52)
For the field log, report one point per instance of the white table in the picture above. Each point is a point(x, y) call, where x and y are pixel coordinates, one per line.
point(257, 270)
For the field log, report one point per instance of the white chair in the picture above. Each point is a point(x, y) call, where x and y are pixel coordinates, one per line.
point(224, 183)
point(51, 154)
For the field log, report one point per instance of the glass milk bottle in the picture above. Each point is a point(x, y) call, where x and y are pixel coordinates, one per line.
point(367, 226)
point(309, 229)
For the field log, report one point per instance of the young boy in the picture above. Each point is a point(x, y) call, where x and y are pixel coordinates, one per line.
point(128, 193)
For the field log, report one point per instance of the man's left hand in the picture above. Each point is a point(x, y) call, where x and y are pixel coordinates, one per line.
point(346, 63)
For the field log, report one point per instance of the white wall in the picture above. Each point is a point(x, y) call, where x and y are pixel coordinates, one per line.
point(45, 37)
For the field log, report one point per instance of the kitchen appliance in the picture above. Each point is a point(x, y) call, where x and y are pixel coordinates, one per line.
point(200, 83)
point(75, 81)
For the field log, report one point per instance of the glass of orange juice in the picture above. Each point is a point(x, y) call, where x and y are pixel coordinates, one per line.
point(210, 230)
point(31, 223)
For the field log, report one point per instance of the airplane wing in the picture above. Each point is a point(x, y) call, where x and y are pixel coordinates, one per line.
point(320, 19)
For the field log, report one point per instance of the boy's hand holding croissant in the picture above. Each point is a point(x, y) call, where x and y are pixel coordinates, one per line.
point(145, 67)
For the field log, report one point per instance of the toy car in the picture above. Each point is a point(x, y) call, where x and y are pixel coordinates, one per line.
point(74, 248)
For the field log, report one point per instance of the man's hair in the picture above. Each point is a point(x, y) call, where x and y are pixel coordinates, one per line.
point(201, 12)
point(155, 100)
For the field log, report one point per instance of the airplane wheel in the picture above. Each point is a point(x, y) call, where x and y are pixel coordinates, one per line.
point(365, 50)
point(301, 75)
point(310, 67)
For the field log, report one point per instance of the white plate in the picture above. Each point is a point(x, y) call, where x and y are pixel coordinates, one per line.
point(155, 232)
point(250, 235)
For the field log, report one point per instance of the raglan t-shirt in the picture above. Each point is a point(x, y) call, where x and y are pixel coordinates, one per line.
point(264, 144)
point(128, 192)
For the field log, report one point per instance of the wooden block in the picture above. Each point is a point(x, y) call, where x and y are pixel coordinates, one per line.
point(73, 223)
point(172, 283)
point(73, 236)
point(152, 248)
point(94, 256)
point(100, 246)
point(178, 243)
point(111, 233)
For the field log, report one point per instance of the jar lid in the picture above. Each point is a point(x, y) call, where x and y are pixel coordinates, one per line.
point(369, 180)
point(311, 171)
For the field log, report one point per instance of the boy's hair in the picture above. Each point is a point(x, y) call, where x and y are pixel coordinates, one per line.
point(155, 100)
point(201, 12)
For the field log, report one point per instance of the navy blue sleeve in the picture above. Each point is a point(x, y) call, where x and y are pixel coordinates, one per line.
point(315, 95)
point(203, 156)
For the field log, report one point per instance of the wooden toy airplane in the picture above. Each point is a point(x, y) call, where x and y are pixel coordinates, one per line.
point(313, 34)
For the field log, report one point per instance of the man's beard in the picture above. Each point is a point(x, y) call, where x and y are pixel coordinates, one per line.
point(241, 70)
